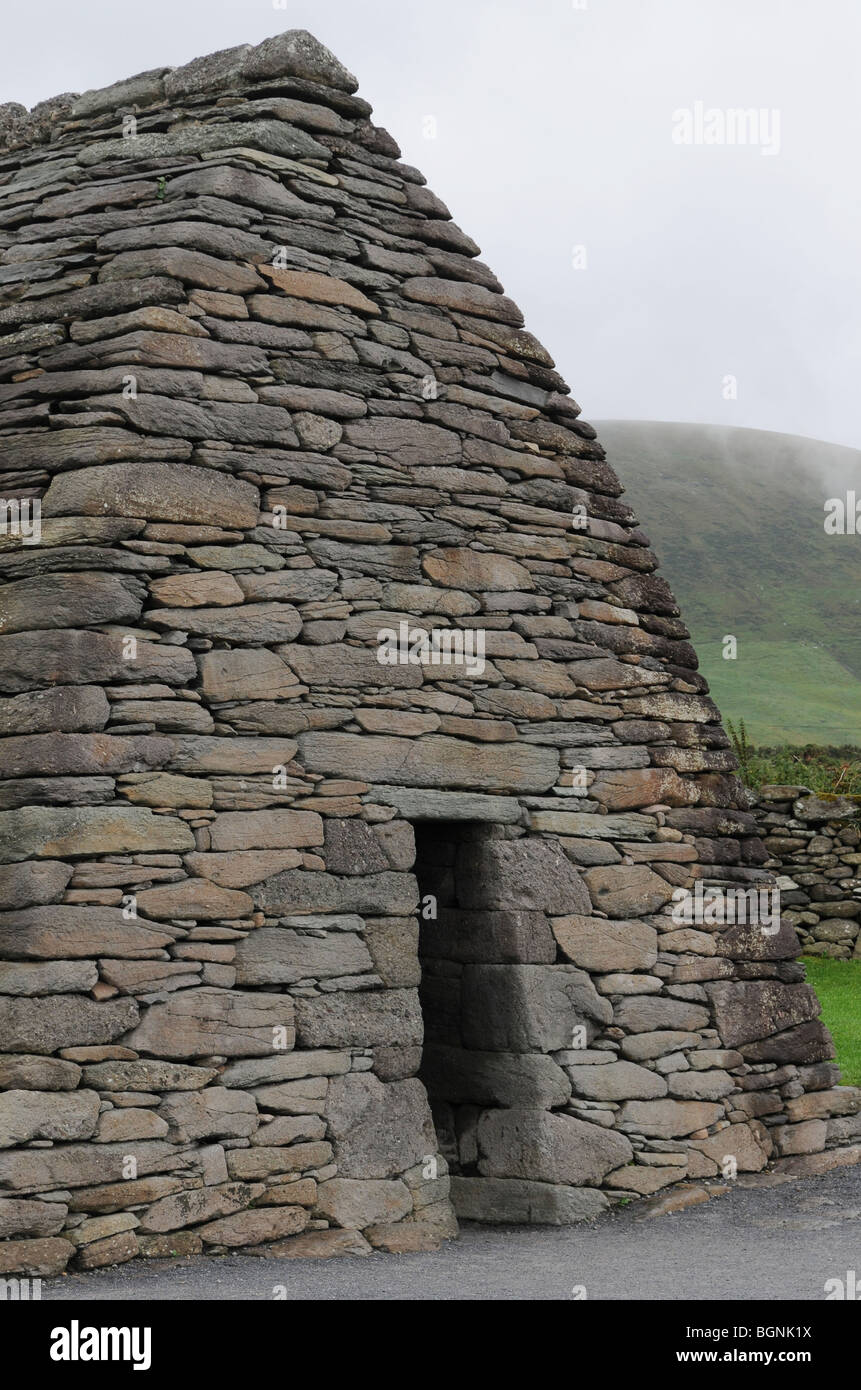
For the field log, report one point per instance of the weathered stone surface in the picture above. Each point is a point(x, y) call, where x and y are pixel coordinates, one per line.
point(129, 1125)
point(251, 1227)
point(643, 1013)
point(627, 789)
point(26, 1115)
point(475, 570)
point(63, 709)
point(737, 1142)
point(68, 932)
point(214, 1112)
point(196, 590)
point(146, 1076)
point(315, 1245)
point(321, 289)
point(66, 600)
point(36, 1258)
point(434, 761)
point(527, 1008)
point(166, 789)
point(72, 1020)
point(805, 1138)
point(752, 1009)
point(285, 1066)
point(297, 54)
point(623, 890)
point(212, 1022)
point(514, 874)
point(38, 1073)
point(196, 1205)
point(597, 944)
point(81, 755)
point(247, 673)
point(34, 659)
point(52, 832)
point(246, 756)
point(668, 1119)
point(240, 869)
point(354, 1203)
point(258, 1162)
point(494, 1078)
point(20, 1217)
point(706, 1085)
point(55, 977)
point(807, 1042)
point(194, 897)
point(492, 936)
point(539, 1145)
point(379, 1129)
point(273, 829)
point(616, 1081)
point(277, 956)
point(339, 666)
point(352, 848)
point(419, 804)
point(113, 1250)
point(390, 1016)
point(31, 885)
point(408, 442)
point(520, 1201)
point(301, 891)
point(841, 1100)
point(259, 622)
point(159, 492)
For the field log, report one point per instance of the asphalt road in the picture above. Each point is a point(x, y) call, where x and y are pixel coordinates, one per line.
point(775, 1243)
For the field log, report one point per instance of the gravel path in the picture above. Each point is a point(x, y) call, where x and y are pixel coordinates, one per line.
point(753, 1243)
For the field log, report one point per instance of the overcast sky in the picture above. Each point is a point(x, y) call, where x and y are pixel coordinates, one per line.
point(554, 130)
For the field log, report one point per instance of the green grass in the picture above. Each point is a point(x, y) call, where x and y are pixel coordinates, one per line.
point(787, 692)
point(834, 771)
point(838, 985)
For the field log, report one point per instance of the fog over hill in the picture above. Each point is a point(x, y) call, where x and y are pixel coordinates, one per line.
point(737, 518)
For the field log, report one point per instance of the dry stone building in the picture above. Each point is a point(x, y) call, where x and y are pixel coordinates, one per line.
point(352, 748)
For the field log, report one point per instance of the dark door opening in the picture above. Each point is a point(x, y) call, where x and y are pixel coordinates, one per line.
point(472, 950)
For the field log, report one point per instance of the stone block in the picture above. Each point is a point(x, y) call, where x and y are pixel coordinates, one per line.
point(521, 1202)
point(379, 1129)
point(599, 944)
point(275, 955)
point(541, 1146)
point(215, 1022)
point(527, 1008)
point(355, 1203)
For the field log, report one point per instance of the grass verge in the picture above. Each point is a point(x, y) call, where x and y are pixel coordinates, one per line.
point(838, 985)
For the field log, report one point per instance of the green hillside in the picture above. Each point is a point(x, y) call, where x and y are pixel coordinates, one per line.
point(736, 518)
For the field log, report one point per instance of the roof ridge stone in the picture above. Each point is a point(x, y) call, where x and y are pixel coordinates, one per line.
point(295, 54)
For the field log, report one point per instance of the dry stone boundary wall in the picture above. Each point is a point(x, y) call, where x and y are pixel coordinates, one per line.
point(271, 403)
point(814, 846)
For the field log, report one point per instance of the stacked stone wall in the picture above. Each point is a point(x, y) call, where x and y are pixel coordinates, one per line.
point(815, 848)
point(268, 405)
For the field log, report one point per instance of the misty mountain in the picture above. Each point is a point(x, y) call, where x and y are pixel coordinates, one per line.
point(737, 519)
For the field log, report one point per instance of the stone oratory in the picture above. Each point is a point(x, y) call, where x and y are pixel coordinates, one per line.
point(304, 948)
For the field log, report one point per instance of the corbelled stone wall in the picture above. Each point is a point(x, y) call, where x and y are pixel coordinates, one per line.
point(814, 846)
point(273, 406)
